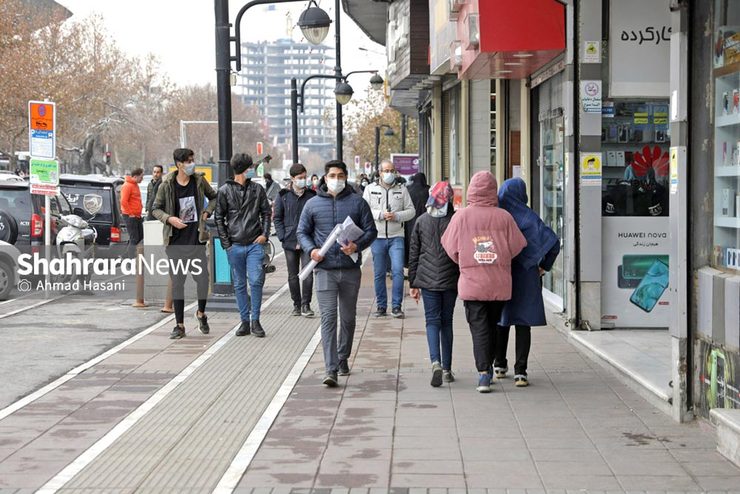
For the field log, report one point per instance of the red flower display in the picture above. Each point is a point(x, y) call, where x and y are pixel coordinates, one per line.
point(656, 159)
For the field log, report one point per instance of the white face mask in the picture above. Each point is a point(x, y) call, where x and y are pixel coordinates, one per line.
point(335, 185)
point(299, 183)
point(189, 168)
point(389, 177)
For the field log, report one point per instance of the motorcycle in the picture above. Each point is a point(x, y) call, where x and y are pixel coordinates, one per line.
point(76, 239)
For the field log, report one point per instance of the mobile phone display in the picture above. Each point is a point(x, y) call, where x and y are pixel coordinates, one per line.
point(623, 282)
point(652, 286)
point(635, 266)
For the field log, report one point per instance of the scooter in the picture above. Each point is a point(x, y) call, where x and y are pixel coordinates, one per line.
point(77, 239)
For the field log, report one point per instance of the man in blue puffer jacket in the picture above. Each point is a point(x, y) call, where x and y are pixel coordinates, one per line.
point(338, 277)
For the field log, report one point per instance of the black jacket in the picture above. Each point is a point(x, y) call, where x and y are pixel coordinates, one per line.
point(151, 194)
point(288, 209)
point(242, 213)
point(323, 213)
point(429, 265)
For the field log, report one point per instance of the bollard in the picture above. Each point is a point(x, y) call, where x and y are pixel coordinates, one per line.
point(168, 308)
point(139, 279)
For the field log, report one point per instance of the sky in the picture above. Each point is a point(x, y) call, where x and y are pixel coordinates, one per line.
point(181, 33)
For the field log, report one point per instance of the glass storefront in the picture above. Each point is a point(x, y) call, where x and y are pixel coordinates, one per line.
point(549, 150)
point(726, 75)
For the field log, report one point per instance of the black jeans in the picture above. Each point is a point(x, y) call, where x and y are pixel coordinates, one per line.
point(179, 256)
point(135, 228)
point(292, 259)
point(483, 318)
point(523, 343)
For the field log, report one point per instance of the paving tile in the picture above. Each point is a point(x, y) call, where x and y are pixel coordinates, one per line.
point(411, 480)
point(434, 467)
point(580, 482)
point(662, 483)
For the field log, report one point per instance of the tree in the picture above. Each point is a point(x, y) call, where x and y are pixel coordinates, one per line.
point(74, 64)
point(364, 115)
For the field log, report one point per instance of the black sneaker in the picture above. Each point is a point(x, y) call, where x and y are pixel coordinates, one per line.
point(296, 311)
point(306, 311)
point(397, 313)
point(257, 329)
point(177, 333)
point(243, 329)
point(203, 323)
point(380, 312)
point(343, 368)
point(330, 381)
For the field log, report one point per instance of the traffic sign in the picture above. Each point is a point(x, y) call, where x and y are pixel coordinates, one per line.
point(259, 148)
point(357, 161)
point(42, 141)
point(44, 172)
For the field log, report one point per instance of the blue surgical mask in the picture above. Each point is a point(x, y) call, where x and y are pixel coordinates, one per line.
point(189, 168)
point(250, 173)
point(389, 177)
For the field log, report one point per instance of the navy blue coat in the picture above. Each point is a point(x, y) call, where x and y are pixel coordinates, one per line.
point(288, 209)
point(322, 213)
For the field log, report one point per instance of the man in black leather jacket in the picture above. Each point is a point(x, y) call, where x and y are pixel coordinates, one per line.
point(243, 221)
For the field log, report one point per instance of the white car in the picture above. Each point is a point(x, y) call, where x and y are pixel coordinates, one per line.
point(8, 267)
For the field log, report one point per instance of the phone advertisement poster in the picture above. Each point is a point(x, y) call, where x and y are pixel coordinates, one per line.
point(634, 278)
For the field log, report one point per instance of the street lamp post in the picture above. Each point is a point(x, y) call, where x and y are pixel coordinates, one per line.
point(343, 93)
point(388, 132)
point(315, 26)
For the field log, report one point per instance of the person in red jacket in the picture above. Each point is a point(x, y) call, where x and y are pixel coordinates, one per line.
point(483, 239)
point(131, 208)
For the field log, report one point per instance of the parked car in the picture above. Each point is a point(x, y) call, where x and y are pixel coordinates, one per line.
point(8, 268)
point(97, 200)
point(22, 214)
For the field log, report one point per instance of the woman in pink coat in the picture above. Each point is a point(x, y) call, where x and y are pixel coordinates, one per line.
point(483, 239)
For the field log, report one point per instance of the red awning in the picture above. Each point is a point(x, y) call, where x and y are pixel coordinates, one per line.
point(513, 40)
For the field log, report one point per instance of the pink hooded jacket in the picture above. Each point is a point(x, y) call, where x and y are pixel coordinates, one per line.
point(482, 239)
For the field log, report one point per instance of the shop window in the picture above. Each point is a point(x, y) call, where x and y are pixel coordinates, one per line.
point(635, 140)
point(726, 57)
point(494, 150)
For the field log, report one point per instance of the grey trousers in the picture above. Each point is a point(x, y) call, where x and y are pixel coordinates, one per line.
point(337, 289)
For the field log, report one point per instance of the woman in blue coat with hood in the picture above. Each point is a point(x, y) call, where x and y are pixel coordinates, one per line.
point(526, 307)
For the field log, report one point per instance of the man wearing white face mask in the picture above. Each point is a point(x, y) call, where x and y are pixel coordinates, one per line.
point(288, 208)
point(338, 275)
point(243, 220)
point(391, 206)
point(179, 205)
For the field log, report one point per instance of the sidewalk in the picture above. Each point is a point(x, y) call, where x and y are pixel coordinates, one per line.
point(575, 427)
point(164, 416)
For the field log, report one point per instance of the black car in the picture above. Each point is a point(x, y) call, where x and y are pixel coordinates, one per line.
point(96, 199)
point(22, 214)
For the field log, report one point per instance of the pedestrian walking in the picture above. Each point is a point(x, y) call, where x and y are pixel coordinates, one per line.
point(483, 239)
point(433, 276)
point(288, 208)
point(419, 192)
point(338, 275)
point(180, 206)
point(391, 206)
point(271, 188)
point(131, 208)
point(243, 219)
point(151, 190)
point(526, 307)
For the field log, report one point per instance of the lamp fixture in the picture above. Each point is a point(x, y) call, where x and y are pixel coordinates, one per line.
point(343, 92)
point(376, 82)
point(314, 23)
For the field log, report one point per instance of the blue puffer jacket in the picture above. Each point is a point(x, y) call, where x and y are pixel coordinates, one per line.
point(322, 213)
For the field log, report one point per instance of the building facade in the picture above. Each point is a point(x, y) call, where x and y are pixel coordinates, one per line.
point(265, 83)
point(623, 119)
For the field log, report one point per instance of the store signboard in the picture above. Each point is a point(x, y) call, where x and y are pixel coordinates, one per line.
point(406, 164)
point(634, 277)
point(639, 48)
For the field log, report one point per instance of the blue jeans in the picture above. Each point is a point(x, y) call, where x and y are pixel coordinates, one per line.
point(246, 263)
point(438, 311)
point(381, 249)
